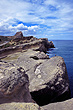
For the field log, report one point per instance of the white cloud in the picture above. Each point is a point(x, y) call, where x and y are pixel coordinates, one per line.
point(33, 27)
point(21, 27)
point(50, 2)
point(7, 28)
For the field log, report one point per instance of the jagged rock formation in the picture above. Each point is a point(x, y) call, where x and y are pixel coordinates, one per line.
point(23, 43)
point(9, 38)
point(19, 34)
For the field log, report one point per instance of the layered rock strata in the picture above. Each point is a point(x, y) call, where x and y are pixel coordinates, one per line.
point(18, 43)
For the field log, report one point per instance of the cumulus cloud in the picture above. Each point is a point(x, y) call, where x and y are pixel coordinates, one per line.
point(11, 26)
point(20, 27)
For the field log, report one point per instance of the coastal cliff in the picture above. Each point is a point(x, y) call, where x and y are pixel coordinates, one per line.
point(27, 74)
point(18, 43)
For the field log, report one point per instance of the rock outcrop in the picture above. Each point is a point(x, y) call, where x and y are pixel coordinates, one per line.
point(18, 43)
point(13, 84)
point(19, 34)
point(51, 83)
point(9, 38)
point(48, 78)
point(25, 57)
point(65, 105)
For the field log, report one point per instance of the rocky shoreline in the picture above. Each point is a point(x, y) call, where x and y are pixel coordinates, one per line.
point(19, 43)
point(28, 76)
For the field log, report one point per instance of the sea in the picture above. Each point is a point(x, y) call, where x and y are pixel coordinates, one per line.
point(64, 48)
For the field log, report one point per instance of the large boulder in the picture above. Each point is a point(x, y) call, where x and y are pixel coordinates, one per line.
point(48, 79)
point(50, 83)
point(13, 84)
point(65, 105)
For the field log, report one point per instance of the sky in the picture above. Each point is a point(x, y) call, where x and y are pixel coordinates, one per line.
point(52, 19)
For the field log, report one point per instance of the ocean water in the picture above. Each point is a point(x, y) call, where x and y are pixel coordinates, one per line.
point(64, 48)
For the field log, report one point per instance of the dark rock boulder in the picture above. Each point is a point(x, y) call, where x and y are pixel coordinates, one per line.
point(17, 37)
point(51, 83)
point(45, 45)
point(13, 84)
point(19, 34)
point(51, 44)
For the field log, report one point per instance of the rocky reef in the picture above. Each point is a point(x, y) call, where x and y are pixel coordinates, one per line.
point(28, 76)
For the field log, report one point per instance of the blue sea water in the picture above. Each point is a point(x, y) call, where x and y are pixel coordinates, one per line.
point(64, 48)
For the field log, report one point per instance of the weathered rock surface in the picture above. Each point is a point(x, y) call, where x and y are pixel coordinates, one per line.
point(18, 43)
point(9, 38)
point(48, 78)
point(25, 57)
point(20, 106)
point(18, 35)
point(13, 84)
point(51, 83)
point(65, 105)
point(39, 55)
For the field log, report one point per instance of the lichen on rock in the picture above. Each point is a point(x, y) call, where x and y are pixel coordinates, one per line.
point(13, 84)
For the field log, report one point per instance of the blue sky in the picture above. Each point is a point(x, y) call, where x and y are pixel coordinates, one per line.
point(52, 19)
